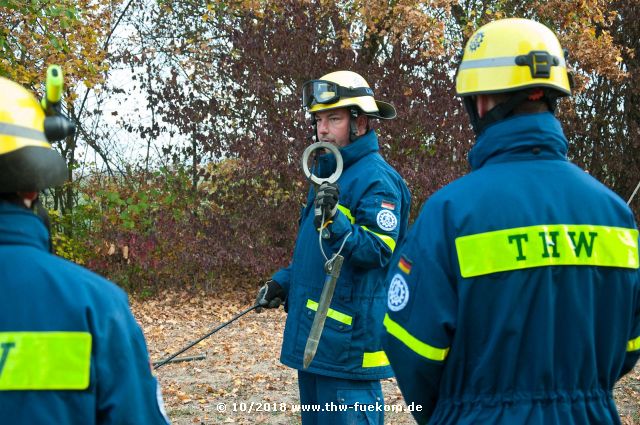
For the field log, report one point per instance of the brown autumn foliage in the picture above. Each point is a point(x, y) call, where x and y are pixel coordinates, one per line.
point(68, 33)
point(73, 34)
point(232, 73)
point(226, 76)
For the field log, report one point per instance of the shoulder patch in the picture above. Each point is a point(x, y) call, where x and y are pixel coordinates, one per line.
point(398, 295)
point(386, 220)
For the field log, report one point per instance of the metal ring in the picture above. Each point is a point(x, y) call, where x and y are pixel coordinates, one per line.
point(305, 159)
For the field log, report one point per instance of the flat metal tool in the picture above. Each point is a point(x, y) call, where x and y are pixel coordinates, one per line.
point(332, 268)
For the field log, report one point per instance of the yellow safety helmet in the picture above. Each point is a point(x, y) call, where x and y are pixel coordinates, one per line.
point(509, 55)
point(344, 89)
point(28, 163)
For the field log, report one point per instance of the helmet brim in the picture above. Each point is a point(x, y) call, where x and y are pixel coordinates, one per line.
point(386, 111)
point(31, 169)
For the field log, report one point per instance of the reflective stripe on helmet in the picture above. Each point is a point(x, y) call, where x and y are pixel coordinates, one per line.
point(495, 62)
point(7, 129)
point(14, 137)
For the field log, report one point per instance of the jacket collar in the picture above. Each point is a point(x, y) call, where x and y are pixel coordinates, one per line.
point(362, 146)
point(519, 138)
point(20, 226)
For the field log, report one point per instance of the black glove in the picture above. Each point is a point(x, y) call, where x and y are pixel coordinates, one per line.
point(326, 203)
point(271, 295)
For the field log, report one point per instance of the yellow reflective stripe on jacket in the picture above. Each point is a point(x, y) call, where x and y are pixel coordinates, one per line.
point(335, 315)
point(547, 245)
point(347, 212)
point(375, 359)
point(45, 360)
point(425, 350)
point(387, 240)
point(634, 344)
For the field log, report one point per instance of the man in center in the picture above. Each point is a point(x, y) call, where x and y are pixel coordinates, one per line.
point(363, 215)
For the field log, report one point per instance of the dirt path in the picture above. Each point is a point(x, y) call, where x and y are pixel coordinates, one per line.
point(241, 380)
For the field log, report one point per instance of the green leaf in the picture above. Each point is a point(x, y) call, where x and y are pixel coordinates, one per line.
point(55, 42)
point(113, 197)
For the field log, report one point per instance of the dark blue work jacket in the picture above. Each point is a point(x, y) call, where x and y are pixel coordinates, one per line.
point(374, 208)
point(70, 350)
point(515, 297)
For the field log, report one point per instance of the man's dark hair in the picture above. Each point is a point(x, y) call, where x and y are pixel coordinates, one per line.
point(526, 107)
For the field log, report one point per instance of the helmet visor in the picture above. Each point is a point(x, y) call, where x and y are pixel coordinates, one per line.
point(324, 92)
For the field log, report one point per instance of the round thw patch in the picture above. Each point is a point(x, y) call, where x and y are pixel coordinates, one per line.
point(386, 220)
point(398, 295)
point(476, 41)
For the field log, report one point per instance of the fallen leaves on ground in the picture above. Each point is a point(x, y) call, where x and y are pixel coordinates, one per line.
point(241, 380)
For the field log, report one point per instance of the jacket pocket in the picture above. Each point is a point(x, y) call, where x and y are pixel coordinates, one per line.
point(335, 341)
point(364, 407)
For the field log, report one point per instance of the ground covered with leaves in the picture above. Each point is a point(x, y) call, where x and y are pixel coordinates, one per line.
point(241, 380)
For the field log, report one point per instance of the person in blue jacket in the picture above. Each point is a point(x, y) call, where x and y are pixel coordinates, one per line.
point(515, 298)
point(71, 352)
point(343, 380)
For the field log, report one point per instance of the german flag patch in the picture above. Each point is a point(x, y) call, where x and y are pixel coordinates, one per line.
point(404, 265)
point(388, 205)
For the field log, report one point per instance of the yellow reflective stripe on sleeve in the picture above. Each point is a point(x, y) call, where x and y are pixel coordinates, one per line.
point(45, 360)
point(347, 212)
point(547, 245)
point(634, 344)
point(419, 347)
point(376, 359)
point(335, 315)
point(387, 240)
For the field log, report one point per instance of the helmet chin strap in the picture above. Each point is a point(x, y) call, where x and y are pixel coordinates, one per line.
point(353, 125)
point(505, 109)
point(314, 123)
point(497, 113)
